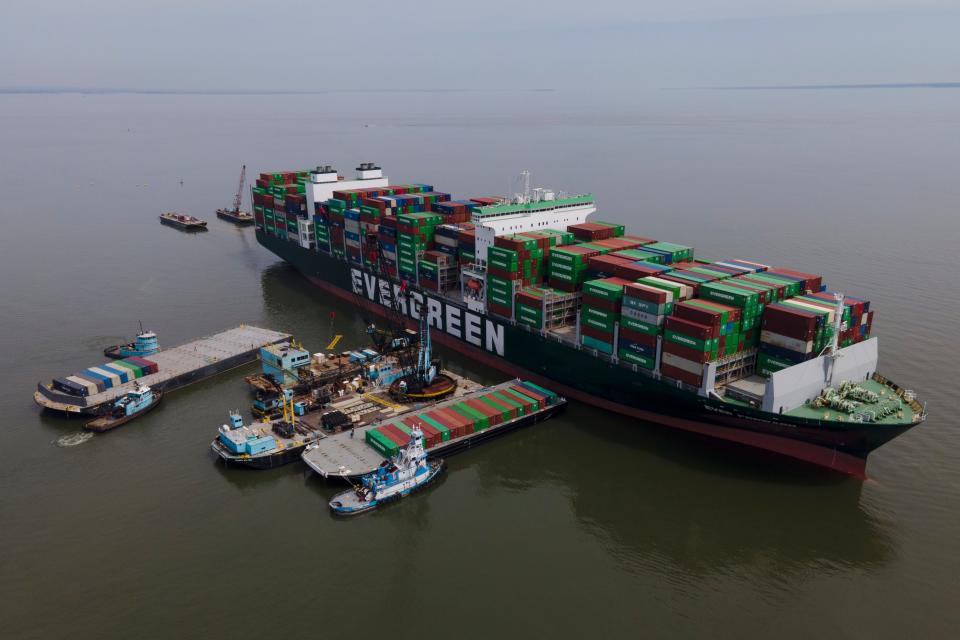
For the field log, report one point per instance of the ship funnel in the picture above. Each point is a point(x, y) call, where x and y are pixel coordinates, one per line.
point(369, 171)
point(323, 173)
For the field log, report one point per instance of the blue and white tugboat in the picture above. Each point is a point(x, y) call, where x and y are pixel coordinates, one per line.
point(132, 405)
point(407, 472)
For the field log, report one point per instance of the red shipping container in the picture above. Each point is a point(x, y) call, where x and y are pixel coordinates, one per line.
point(536, 395)
point(597, 334)
point(607, 264)
point(509, 409)
point(733, 313)
point(687, 311)
point(493, 416)
point(630, 335)
point(813, 283)
point(600, 303)
point(396, 436)
point(681, 375)
point(645, 292)
point(794, 323)
point(640, 240)
point(692, 329)
point(454, 424)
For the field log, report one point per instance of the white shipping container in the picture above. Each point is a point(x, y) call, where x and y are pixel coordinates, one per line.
point(686, 291)
point(786, 342)
point(814, 307)
point(642, 316)
point(681, 363)
point(626, 292)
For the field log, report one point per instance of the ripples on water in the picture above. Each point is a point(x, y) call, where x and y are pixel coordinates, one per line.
point(74, 439)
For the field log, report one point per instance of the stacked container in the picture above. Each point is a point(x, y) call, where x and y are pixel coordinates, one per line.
point(600, 313)
point(687, 346)
point(567, 266)
point(671, 252)
point(414, 236)
point(544, 307)
point(748, 299)
point(791, 333)
point(590, 231)
point(642, 314)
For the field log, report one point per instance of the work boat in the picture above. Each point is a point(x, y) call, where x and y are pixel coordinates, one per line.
point(408, 471)
point(132, 405)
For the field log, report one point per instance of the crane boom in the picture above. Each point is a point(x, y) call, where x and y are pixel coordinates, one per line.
point(239, 197)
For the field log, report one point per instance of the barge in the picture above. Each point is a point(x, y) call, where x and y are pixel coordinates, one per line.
point(278, 442)
point(99, 387)
point(450, 427)
point(183, 222)
point(525, 284)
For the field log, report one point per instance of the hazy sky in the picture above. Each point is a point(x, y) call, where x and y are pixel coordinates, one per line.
point(431, 44)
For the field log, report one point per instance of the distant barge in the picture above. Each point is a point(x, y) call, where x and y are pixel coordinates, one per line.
point(242, 218)
point(182, 222)
point(175, 368)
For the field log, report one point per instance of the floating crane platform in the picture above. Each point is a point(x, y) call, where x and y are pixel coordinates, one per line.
point(354, 410)
point(177, 367)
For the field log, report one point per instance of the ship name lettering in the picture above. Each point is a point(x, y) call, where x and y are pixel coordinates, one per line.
point(453, 321)
point(385, 298)
point(371, 282)
point(434, 311)
point(494, 338)
point(356, 280)
point(472, 328)
point(416, 302)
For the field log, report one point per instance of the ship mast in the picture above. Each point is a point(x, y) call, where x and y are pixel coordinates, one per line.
point(833, 351)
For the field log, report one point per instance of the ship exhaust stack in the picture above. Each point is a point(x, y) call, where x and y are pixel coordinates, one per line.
point(323, 173)
point(369, 171)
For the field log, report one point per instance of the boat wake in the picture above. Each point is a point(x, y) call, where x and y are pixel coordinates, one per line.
point(74, 439)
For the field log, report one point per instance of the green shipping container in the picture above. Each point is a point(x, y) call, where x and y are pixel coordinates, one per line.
point(509, 402)
point(593, 343)
point(634, 358)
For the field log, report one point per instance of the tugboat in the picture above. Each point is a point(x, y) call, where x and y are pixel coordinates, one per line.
point(182, 222)
point(407, 472)
point(144, 345)
point(134, 404)
point(234, 214)
point(264, 445)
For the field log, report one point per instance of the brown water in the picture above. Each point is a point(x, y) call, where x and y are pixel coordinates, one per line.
point(589, 525)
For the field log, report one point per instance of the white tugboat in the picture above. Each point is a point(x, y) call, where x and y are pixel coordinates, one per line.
point(408, 471)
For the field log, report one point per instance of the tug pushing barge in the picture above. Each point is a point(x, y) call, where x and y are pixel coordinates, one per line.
point(94, 390)
point(728, 348)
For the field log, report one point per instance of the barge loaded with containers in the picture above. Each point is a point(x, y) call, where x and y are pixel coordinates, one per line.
point(728, 348)
point(448, 427)
point(94, 390)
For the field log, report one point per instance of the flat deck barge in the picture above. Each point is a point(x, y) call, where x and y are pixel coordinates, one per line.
point(345, 456)
point(177, 367)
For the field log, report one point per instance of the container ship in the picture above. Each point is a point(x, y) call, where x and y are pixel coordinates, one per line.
point(729, 348)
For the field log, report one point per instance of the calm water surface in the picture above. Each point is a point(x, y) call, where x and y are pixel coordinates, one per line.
point(587, 525)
